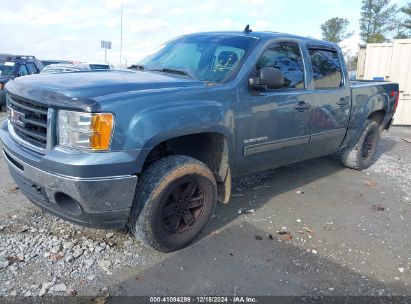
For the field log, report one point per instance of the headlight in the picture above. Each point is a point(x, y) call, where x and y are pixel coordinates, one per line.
point(90, 131)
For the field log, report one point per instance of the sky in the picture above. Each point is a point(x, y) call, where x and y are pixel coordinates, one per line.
point(73, 29)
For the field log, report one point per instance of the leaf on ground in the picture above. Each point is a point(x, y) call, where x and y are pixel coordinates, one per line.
point(14, 189)
point(258, 237)
point(15, 259)
point(370, 183)
point(56, 257)
point(378, 207)
point(101, 300)
point(309, 230)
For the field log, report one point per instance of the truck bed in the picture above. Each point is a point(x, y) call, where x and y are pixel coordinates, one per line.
point(366, 83)
point(367, 95)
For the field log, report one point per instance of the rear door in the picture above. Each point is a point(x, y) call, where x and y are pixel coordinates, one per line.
point(273, 127)
point(330, 100)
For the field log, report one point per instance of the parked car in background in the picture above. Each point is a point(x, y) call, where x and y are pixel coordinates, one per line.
point(64, 68)
point(48, 62)
point(100, 66)
point(135, 67)
point(12, 66)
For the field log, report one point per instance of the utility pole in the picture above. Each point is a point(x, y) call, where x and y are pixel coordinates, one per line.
point(121, 33)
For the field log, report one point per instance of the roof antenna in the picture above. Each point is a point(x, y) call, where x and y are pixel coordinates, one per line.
point(247, 29)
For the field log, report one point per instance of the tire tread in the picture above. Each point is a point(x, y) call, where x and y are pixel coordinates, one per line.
point(150, 181)
point(351, 157)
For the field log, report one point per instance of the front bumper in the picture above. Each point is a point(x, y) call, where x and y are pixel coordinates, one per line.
point(91, 202)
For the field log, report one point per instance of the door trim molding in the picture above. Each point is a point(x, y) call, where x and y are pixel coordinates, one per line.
point(328, 134)
point(276, 144)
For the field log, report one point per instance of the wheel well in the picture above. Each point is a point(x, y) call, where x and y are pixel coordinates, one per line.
point(209, 148)
point(377, 116)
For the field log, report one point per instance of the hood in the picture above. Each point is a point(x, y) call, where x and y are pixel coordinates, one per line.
point(77, 88)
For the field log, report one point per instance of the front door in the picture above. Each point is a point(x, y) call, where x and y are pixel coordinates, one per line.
point(273, 125)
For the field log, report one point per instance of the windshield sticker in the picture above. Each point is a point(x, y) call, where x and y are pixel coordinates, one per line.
point(8, 63)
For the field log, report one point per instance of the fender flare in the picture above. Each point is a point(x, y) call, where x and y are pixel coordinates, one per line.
point(182, 119)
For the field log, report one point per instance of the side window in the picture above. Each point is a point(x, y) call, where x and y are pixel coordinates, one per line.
point(286, 57)
point(32, 68)
point(326, 69)
point(23, 70)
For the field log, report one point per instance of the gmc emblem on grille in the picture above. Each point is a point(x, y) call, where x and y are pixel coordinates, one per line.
point(16, 117)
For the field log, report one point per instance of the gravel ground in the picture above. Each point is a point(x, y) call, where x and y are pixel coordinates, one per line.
point(312, 228)
point(47, 254)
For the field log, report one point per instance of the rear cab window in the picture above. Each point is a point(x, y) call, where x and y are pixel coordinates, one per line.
point(286, 57)
point(23, 70)
point(326, 68)
point(32, 68)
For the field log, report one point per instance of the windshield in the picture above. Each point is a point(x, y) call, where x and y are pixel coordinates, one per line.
point(205, 58)
point(6, 68)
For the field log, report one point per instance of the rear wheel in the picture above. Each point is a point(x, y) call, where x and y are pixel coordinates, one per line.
point(175, 198)
point(361, 156)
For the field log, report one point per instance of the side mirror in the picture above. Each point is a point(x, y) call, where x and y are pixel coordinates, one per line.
point(267, 78)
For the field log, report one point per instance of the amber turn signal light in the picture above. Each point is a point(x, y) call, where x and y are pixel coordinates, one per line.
point(101, 130)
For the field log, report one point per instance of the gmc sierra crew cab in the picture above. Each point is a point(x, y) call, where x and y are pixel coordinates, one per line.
point(155, 149)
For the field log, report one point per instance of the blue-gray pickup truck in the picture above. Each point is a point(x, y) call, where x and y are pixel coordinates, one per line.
point(155, 149)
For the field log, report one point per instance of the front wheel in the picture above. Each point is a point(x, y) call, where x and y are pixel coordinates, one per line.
point(362, 154)
point(175, 198)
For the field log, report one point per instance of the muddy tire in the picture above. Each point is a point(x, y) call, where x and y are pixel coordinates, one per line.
point(362, 154)
point(175, 198)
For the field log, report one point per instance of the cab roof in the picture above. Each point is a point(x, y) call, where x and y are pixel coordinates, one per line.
point(266, 35)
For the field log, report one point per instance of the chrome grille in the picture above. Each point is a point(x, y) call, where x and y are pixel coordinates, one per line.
point(29, 121)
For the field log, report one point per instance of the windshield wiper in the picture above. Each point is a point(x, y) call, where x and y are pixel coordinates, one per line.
point(174, 71)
